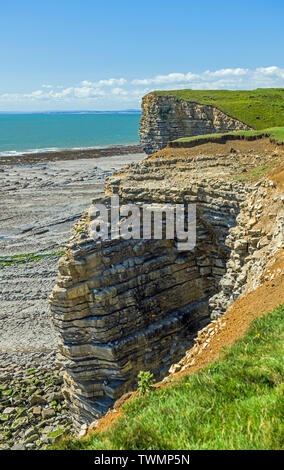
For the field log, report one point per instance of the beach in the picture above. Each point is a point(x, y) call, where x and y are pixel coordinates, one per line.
point(43, 156)
point(41, 197)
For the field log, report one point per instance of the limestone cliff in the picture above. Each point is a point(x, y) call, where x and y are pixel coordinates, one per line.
point(166, 118)
point(122, 306)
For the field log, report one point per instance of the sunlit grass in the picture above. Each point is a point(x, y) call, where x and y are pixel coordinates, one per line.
point(277, 134)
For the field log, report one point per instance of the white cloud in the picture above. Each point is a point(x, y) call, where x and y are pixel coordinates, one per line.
point(225, 73)
point(112, 93)
point(87, 92)
point(119, 91)
point(164, 79)
point(108, 82)
point(270, 71)
point(231, 78)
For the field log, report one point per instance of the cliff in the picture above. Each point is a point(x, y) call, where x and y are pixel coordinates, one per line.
point(121, 306)
point(166, 118)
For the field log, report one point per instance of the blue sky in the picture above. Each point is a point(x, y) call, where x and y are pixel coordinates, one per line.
point(89, 54)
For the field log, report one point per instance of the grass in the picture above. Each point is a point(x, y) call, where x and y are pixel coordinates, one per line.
point(234, 403)
point(276, 134)
point(261, 108)
point(254, 174)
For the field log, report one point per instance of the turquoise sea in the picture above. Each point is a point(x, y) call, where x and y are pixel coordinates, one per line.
point(30, 133)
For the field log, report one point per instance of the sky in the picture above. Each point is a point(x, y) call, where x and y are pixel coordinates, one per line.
point(107, 54)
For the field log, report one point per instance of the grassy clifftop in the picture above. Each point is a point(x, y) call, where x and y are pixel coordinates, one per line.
point(276, 135)
point(261, 108)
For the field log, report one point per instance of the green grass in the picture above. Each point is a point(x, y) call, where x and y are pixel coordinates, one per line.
point(275, 133)
point(234, 403)
point(261, 108)
point(254, 174)
point(26, 258)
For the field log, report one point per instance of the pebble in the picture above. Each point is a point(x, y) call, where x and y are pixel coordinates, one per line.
point(24, 423)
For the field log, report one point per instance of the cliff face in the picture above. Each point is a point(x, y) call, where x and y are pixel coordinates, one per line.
point(121, 306)
point(166, 118)
point(255, 242)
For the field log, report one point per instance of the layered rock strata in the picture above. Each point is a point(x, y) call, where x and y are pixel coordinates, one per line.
point(166, 118)
point(121, 306)
point(256, 242)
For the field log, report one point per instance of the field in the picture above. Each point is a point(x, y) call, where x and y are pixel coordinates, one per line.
point(261, 108)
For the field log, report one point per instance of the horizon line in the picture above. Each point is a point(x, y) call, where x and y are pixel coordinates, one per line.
point(79, 111)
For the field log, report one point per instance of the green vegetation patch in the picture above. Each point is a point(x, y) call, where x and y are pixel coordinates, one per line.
point(276, 134)
point(234, 403)
point(260, 108)
point(58, 432)
point(253, 174)
point(4, 417)
point(26, 258)
point(7, 392)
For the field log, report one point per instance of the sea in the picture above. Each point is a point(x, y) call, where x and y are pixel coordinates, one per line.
point(43, 132)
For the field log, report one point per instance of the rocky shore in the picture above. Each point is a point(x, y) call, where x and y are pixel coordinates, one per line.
point(33, 413)
point(122, 306)
point(41, 197)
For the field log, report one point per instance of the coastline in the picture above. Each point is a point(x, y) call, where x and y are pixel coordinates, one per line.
point(32, 158)
point(41, 197)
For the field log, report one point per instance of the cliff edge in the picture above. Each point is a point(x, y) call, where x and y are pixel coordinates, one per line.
point(125, 305)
